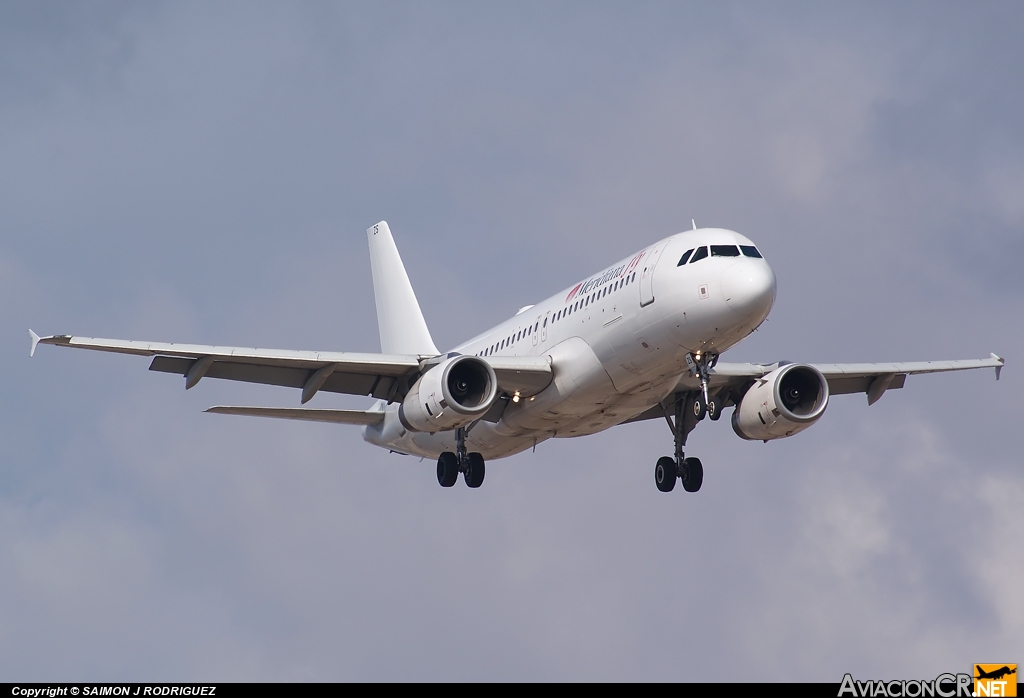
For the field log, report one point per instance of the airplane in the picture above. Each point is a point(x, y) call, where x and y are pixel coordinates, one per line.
point(637, 340)
point(996, 674)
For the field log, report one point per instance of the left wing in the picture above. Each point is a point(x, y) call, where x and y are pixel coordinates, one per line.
point(383, 376)
point(843, 379)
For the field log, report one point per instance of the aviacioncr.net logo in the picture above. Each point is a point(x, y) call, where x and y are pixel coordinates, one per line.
point(995, 680)
point(942, 686)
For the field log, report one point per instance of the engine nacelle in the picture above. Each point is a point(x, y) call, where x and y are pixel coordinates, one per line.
point(782, 403)
point(450, 395)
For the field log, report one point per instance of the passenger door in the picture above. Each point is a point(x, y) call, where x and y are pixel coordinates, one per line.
point(647, 275)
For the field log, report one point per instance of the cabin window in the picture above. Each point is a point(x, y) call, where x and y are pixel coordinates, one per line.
point(698, 254)
point(545, 322)
point(750, 251)
point(724, 251)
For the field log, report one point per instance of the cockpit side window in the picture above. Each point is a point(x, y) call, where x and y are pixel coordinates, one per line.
point(684, 258)
point(750, 251)
point(724, 251)
point(698, 254)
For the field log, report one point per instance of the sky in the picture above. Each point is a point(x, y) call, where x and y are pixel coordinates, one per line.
point(205, 172)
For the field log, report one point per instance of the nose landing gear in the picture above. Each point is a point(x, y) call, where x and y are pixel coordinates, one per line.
point(699, 365)
point(471, 465)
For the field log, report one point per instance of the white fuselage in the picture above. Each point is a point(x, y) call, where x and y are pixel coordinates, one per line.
point(618, 342)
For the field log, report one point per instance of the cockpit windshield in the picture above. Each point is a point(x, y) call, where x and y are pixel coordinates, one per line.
point(724, 251)
point(750, 251)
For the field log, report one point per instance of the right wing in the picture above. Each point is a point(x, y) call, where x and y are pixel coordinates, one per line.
point(383, 376)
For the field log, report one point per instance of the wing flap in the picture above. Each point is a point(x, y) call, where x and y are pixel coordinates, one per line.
point(846, 385)
point(349, 383)
point(304, 414)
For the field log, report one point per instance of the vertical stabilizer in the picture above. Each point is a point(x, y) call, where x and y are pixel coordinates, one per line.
point(402, 327)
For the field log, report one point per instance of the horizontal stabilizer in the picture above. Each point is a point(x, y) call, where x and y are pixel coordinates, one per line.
point(308, 415)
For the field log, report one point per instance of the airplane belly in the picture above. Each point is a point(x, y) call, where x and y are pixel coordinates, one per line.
point(579, 385)
point(482, 439)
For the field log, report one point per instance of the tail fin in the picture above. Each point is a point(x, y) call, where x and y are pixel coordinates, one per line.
point(402, 327)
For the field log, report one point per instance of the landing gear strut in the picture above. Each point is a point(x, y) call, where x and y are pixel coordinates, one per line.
point(689, 408)
point(471, 465)
point(699, 365)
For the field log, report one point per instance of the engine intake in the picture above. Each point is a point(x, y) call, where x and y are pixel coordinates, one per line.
point(450, 395)
point(782, 403)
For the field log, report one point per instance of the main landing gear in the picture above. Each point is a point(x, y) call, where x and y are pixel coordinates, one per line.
point(689, 408)
point(449, 464)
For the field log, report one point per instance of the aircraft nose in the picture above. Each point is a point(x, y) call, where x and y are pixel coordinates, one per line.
point(749, 287)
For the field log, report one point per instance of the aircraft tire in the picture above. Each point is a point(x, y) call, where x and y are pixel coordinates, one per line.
point(713, 411)
point(475, 471)
point(693, 474)
point(665, 474)
point(700, 410)
point(447, 469)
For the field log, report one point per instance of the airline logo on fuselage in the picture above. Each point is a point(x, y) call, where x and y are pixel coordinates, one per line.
point(585, 287)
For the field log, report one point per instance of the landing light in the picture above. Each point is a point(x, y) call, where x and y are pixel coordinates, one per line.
point(515, 398)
